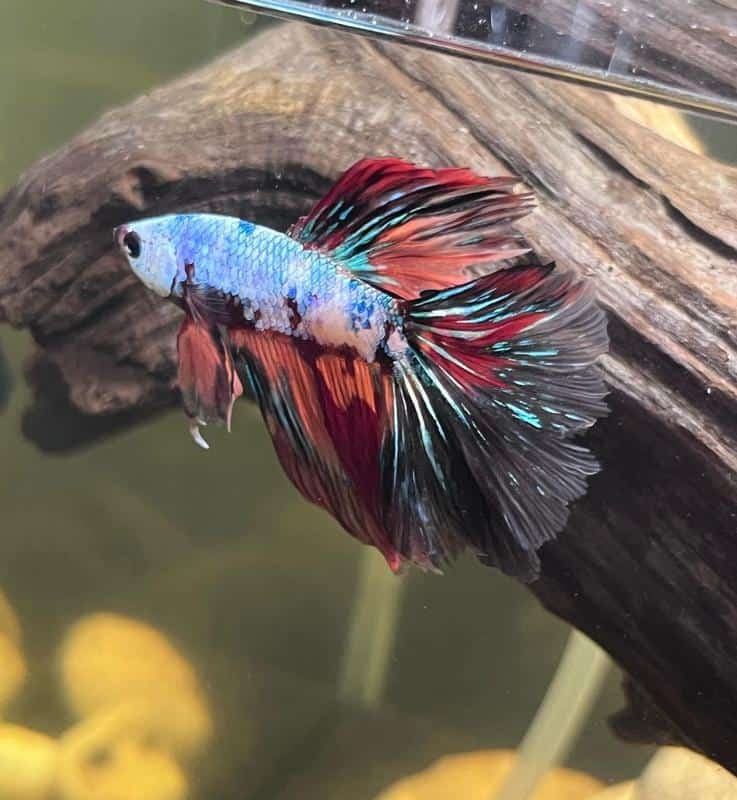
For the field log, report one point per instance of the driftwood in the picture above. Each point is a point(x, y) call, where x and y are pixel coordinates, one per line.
point(648, 563)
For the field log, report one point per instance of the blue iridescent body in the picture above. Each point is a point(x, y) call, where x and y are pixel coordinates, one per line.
point(279, 285)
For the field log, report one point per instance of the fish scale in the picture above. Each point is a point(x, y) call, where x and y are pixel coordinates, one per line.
point(279, 281)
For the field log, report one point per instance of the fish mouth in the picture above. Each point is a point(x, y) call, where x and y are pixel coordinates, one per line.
point(119, 234)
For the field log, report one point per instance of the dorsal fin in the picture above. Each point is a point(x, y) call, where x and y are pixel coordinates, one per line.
point(405, 228)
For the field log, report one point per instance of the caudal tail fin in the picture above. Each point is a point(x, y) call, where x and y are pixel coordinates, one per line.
point(499, 379)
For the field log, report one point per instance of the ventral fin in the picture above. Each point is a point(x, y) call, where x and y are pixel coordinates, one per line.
point(207, 378)
point(404, 228)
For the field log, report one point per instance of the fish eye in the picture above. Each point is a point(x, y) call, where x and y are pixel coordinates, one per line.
point(132, 244)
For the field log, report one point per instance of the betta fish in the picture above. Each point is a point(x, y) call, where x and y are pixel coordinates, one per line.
point(421, 374)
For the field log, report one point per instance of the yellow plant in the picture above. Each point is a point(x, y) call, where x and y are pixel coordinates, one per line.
point(28, 762)
point(111, 756)
point(476, 775)
point(106, 659)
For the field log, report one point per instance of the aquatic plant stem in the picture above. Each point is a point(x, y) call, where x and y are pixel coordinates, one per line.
point(371, 633)
point(563, 712)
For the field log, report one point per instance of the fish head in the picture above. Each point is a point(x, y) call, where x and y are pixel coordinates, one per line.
point(150, 248)
point(165, 251)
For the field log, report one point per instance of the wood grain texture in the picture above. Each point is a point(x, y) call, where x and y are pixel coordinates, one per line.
point(647, 564)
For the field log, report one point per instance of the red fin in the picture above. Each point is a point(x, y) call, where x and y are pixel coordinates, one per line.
point(207, 379)
point(502, 379)
point(463, 442)
point(405, 228)
point(327, 413)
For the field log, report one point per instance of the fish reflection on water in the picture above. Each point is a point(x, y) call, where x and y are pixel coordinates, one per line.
point(427, 412)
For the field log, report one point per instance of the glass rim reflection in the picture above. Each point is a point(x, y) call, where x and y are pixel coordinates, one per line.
point(382, 27)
